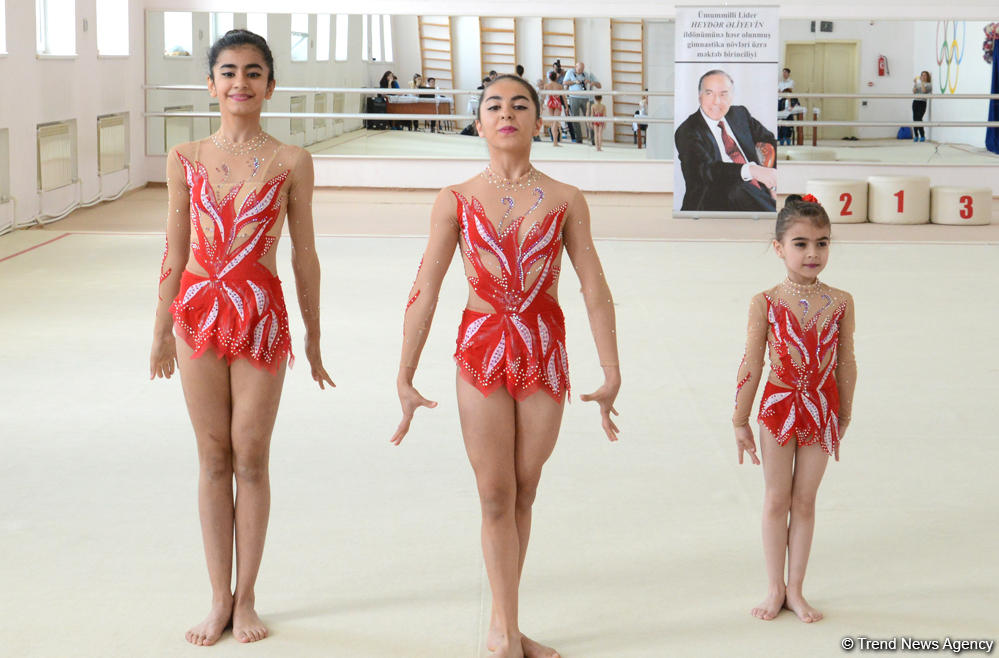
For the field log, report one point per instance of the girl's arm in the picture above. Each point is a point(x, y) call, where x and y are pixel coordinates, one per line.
point(422, 302)
point(163, 357)
point(304, 260)
point(846, 364)
point(750, 374)
point(599, 306)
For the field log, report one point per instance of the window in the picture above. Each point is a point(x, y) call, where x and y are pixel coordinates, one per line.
point(299, 37)
point(3, 26)
point(376, 37)
point(221, 23)
point(55, 24)
point(341, 37)
point(387, 41)
point(178, 34)
point(112, 27)
point(365, 52)
point(322, 37)
point(376, 33)
point(257, 23)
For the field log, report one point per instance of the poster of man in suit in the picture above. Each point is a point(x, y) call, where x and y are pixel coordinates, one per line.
point(726, 91)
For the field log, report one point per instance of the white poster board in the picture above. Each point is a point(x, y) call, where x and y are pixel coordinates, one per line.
point(727, 64)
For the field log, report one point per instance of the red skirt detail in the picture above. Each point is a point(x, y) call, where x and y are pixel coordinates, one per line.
point(523, 352)
point(240, 318)
point(807, 415)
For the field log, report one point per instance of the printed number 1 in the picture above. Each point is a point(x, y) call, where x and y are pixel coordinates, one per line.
point(901, 198)
point(967, 206)
point(847, 199)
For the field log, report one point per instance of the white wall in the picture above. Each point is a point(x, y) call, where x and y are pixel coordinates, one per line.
point(83, 87)
point(894, 40)
point(973, 77)
point(467, 58)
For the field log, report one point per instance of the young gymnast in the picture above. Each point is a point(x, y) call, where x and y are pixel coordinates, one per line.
point(808, 328)
point(511, 222)
point(229, 195)
point(597, 110)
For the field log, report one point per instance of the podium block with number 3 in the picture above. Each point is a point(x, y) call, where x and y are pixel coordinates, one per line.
point(961, 206)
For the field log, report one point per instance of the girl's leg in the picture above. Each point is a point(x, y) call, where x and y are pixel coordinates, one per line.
point(206, 389)
point(538, 420)
point(778, 462)
point(809, 465)
point(488, 425)
point(255, 397)
point(599, 134)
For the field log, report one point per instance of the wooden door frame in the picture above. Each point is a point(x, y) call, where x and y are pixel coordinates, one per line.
point(855, 67)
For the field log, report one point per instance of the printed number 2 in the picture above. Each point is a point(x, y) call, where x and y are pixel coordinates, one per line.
point(967, 206)
point(901, 198)
point(847, 199)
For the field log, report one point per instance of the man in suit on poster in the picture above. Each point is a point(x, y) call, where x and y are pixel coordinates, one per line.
point(716, 146)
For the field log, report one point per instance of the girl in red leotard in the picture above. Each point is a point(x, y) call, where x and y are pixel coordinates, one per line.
point(808, 328)
point(510, 223)
point(229, 196)
point(554, 105)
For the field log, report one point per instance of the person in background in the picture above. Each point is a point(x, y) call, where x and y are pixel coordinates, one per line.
point(578, 80)
point(921, 85)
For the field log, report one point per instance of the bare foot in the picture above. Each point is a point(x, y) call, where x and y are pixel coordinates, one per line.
point(505, 650)
point(208, 631)
point(534, 649)
point(246, 625)
point(797, 604)
point(769, 607)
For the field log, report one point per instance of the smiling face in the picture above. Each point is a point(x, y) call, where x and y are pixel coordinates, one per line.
point(508, 116)
point(804, 249)
point(239, 80)
point(715, 95)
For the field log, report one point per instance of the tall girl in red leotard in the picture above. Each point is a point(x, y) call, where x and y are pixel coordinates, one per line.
point(229, 195)
point(808, 328)
point(510, 223)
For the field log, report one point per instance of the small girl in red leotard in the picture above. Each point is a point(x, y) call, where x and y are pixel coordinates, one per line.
point(597, 110)
point(808, 328)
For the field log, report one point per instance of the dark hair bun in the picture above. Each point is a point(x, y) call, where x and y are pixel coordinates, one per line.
point(792, 200)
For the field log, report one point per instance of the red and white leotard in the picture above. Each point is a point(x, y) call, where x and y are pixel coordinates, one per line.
point(522, 344)
point(809, 392)
point(511, 239)
point(235, 304)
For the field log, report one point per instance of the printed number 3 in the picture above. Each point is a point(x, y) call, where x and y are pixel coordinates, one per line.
point(967, 206)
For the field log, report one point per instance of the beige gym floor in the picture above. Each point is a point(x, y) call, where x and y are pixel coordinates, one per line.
point(647, 548)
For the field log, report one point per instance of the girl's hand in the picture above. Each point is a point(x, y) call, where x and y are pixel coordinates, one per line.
point(842, 432)
point(745, 442)
point(605, 396)
point(319, 373)
point(163, 356)
point(411, 400)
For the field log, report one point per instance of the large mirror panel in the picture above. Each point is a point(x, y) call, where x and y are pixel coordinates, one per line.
point(430, 56)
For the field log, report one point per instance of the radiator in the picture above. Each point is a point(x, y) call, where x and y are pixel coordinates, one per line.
point(112, 143)
point(297, 105)
point(56, 154)
point(177, 129)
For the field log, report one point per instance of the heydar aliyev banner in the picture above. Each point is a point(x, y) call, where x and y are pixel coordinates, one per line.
point(725, 108)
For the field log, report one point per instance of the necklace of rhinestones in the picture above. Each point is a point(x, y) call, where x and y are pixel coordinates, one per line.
point(223, 143)
point(525, 182)
point(801, 288)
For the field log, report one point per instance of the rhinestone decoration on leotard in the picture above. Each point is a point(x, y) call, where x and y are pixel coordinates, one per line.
point(238, 308)
point(223, 143)
point(502, 184)
point(522, 344)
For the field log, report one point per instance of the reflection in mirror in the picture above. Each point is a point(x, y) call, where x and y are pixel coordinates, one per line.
point(429, 55)
point(881, 57)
